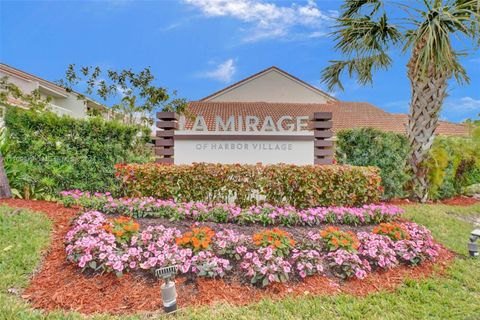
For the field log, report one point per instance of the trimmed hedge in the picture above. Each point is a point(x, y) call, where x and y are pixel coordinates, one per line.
point(299, 186)
point(45, 153)
point(371, 147)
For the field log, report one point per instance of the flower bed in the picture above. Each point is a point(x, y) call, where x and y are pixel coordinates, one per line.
point(264, 214)
point(272, 255)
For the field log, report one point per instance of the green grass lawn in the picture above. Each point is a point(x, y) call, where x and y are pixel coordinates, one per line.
point(454, 296)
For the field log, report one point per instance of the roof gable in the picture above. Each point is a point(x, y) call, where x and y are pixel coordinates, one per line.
point(271, 85)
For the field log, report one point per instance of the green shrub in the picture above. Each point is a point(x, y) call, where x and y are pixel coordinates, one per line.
point(453, 165)
point(371, 147)
point(299, 186)
point(45, 153)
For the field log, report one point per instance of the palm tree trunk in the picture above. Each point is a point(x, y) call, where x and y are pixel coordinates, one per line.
point(5, 191)
point(427, 98)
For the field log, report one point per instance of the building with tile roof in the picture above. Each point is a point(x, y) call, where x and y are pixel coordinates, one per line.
point(276, 93)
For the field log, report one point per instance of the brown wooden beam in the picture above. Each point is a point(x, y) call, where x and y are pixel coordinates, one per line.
point(323, 134)
point(322, 124)
point(164, 143)
point(323, 143)
point(164, 151)
point(167, 124)
point(323, 161)
point(165, 115)
point(165, 133)
point(322, 116)
point(323, 152)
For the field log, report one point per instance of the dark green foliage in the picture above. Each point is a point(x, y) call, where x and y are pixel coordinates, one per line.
point(45, 153)
point(370, 147)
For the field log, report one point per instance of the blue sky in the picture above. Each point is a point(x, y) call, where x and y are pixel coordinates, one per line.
point(200, 46)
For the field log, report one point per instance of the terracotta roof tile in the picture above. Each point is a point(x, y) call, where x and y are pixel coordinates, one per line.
point(345, 114)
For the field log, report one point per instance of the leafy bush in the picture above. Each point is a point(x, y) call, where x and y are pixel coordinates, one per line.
point(206, 264)
point(299, 186)
point(307, 262)
point(280, 241)
point(419, 246)
point(264, 267)
point(377, 250)
point(123, 228)
point(45, 153)
point(371, 147)
point(453, 165)
point(335, 239)
point(197, 239)
point(392, 230)
point(346, 264)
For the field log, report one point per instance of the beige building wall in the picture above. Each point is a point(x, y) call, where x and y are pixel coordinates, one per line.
point(63, 103)
point(271, 86)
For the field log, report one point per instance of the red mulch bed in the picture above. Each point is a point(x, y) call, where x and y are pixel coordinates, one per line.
point(59, 285)
point(456, 201)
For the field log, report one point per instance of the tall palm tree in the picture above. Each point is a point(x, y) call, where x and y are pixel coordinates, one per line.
point(428, 30)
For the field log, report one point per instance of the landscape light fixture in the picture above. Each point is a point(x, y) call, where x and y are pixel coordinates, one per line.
point(473, 245)
point(169, 293)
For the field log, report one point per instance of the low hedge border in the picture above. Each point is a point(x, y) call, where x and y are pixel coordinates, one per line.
point(245, 185)
point(265, 214)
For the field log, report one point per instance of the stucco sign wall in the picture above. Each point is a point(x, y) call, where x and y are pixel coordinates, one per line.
point(247, 149)
point(246, 140)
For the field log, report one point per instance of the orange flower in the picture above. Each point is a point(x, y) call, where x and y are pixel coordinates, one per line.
point(195, 242)
point(204, 244)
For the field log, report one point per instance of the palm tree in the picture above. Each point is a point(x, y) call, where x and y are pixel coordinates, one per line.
point(5, 191)
point(364, 35)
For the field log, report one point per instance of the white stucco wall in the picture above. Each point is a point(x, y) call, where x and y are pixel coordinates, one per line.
point(245, 151)
point(272, 86)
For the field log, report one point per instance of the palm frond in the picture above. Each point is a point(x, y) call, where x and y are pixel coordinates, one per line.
point(360, 67)
point(431, 37)
point(363, 35)
point(363, 39)
point(355, 7)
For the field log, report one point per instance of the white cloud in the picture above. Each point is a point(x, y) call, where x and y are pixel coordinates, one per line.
point(224, 72)
point(458, 109)
point(269, 20)
point(464, 104)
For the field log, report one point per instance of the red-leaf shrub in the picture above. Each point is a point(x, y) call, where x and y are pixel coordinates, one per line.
point(299, 186)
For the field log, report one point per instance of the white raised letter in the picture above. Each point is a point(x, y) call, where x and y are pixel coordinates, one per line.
point(229, 126)
point(302, 123)
point(251, 125)
point(268, 124)
point(199, 124)
point(288, 126)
